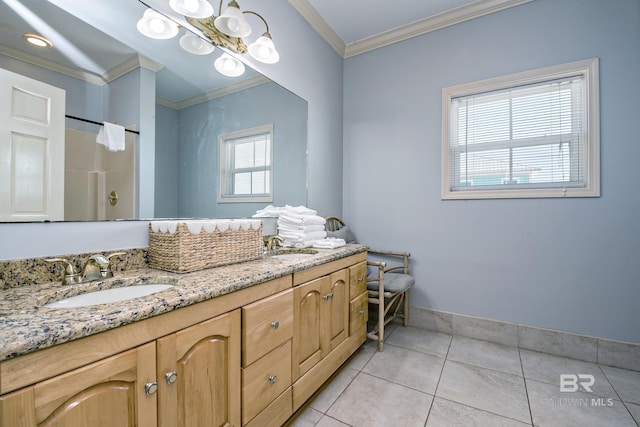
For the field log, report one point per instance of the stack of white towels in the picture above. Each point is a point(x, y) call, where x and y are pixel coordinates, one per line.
point(300, 227)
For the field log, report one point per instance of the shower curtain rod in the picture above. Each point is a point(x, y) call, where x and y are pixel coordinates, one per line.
point(97, 123)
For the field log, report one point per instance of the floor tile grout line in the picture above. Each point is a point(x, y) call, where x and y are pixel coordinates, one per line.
point(526, 389)
point(485, 411)
point(435, 392)
point(620, 397)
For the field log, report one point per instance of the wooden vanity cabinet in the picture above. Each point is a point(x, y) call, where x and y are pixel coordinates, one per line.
point(107, 393)
point(196, 382)
point(251, 358)
point(199, 376)
point(321, 313)
point(267, 328)
point(326, 330)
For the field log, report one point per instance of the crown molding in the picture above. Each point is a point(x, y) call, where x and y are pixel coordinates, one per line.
point(433, 23)
point(134, 62)
point(217, 93)
point(311, 15)
point(52, 65)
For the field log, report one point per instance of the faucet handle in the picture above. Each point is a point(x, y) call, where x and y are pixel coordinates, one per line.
point(115, 254)
point(71, 276)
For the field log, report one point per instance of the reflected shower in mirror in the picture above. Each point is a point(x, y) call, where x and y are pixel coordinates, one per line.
point(176, 100)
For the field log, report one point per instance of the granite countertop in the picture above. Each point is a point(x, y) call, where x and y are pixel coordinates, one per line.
point(27, 326)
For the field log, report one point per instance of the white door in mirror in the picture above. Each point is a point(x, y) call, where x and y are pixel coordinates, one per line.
point(106, 296)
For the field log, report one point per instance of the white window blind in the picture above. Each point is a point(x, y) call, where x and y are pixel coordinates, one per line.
point(524, 137)
point(245, 165)
point(251, 159)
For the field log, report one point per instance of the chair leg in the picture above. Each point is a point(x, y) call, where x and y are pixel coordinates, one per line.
point(381, 322)
point(405, 315)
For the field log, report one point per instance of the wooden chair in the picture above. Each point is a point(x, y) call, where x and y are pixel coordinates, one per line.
point(388, 281)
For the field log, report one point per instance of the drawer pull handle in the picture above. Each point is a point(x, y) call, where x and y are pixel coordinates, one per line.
point(328, 296)
point(171, 377)
point(275, 324)
point(273, 379)
point(150, 388)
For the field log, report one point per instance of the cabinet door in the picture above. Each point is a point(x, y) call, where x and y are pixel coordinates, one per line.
point(338, 314)
point(199, 374)
point(108, 393)
point(309, 339)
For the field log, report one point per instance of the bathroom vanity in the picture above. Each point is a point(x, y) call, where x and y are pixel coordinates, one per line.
point(246, 344)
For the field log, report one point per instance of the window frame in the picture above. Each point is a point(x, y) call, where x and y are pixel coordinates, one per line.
point(225, 186)
point(588, 69)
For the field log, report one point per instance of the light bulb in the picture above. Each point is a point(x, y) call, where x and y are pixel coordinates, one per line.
point(157, 25)
point(233, 25)
point(191, 5)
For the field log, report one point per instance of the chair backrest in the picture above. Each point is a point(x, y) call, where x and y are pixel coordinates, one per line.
point(334, 223)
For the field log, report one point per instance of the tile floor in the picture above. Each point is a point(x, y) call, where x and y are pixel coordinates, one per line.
point(426, 378)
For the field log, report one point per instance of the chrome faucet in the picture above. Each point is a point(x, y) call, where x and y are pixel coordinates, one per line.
point(272, 242)
point(97, 267)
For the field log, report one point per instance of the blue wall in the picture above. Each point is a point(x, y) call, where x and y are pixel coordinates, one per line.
point(166, 183)
point(569, 265)
point(187, 151)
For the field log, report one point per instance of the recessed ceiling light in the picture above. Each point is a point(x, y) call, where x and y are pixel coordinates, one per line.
point(37, 40)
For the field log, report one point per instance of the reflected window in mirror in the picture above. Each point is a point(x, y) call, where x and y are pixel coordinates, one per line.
point(246, 165)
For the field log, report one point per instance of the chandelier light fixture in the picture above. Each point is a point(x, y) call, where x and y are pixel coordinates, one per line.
point(227, 30)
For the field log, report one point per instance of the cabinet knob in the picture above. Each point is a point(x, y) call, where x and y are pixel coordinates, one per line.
point(150, 388)
point(275, 324)
point(328, 296)
point(362, 312)
point(273, 379)
point(171, 377)
point(360, 279)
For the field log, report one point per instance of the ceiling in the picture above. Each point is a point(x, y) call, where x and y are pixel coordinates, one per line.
point(357, 26)
point(102, 58)
point(374, 17)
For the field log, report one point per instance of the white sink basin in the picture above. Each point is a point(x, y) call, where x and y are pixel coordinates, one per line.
point(108, 295)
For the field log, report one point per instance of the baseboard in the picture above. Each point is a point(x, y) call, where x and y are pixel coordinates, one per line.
point(619, 354)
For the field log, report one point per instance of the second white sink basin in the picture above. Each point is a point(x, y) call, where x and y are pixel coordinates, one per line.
point(108, 295)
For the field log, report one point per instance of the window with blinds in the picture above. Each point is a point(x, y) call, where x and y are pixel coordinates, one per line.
point(532, 134)
point(246, 166)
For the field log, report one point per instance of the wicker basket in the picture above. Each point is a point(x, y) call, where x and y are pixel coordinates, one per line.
point(183, 251)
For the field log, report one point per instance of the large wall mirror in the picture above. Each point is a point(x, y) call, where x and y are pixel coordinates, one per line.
point(176, 102)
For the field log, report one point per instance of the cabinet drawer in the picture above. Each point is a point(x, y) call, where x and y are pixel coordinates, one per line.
point(357, 279)
point(265, 325)
point(358, 313)
point(264, 380)
point(276, 414)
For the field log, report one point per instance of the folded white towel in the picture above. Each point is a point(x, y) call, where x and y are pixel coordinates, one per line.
point(329, 243)
point(111, 136)
point(285, 226)
point(293, 219)
point(302, 237)
point(269, 212)
point(302, 210)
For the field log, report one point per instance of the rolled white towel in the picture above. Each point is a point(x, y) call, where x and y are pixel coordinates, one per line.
point(299, 245)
